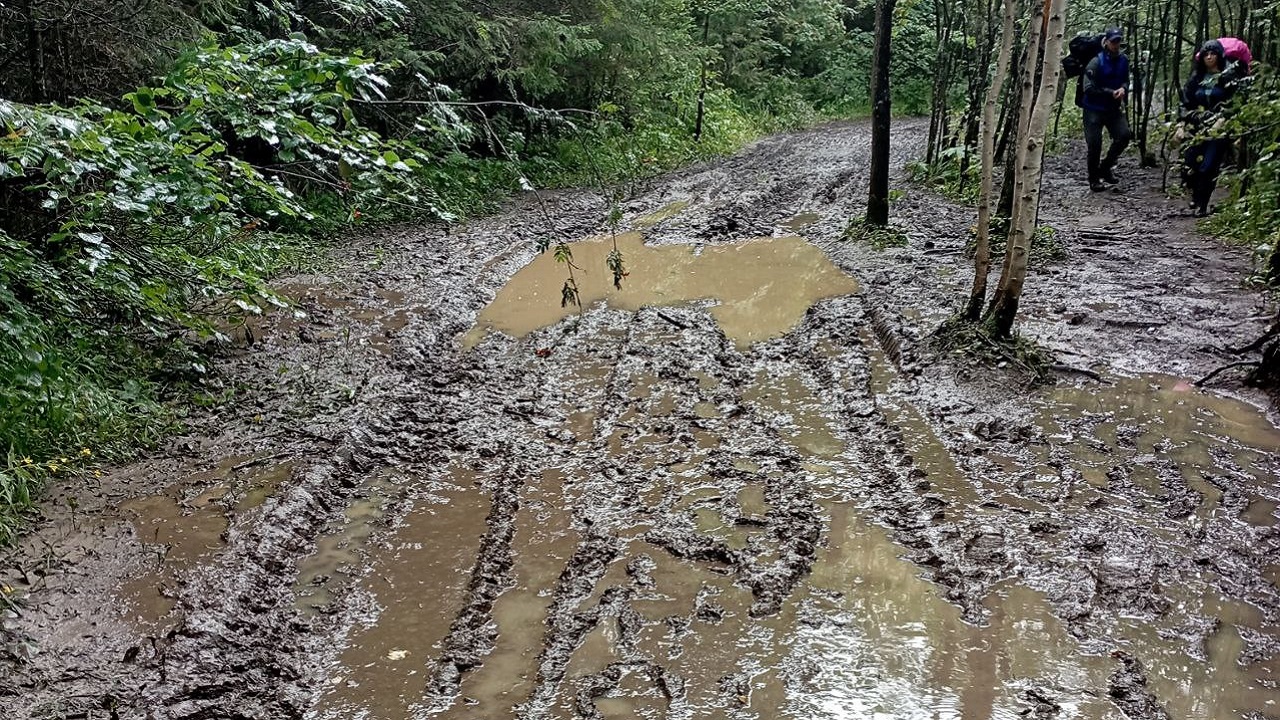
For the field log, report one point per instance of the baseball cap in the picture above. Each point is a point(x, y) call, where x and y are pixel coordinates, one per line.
point(1113, 34)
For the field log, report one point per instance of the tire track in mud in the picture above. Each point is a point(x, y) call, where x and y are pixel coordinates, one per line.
point(966, 561)
point(610, 508)
point(240, 650)
point(471, 636)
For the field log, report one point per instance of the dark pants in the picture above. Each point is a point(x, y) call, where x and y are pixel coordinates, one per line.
point(1203, 164)
point(1117, 127)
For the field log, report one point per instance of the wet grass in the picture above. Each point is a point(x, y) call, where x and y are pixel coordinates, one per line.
point(17, 491)
point(975, 342)
point(1046, 245)
point(21, 479)
point(877, 236)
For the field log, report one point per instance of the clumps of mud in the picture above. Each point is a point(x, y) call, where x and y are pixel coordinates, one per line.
point(793, 526)
point(1128, 689)
point(595, 686)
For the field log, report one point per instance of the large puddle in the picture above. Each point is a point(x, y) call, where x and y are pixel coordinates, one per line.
point(760, 288)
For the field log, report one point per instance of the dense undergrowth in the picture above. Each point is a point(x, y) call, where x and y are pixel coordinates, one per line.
point(157, 169)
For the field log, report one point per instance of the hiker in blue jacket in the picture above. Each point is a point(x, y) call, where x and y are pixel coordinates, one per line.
point(1105, 88)
point(1211, 85)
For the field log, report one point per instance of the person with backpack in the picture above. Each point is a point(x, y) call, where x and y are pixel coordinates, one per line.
point(1104, 91)
point(1212, 83)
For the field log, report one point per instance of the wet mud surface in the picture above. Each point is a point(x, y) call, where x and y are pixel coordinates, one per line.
point(743, 487)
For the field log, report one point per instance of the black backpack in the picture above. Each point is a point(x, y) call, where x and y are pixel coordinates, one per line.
point(1080, 50)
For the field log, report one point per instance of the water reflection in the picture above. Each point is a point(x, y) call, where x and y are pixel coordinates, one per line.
point(762, 287)
point(886, 645)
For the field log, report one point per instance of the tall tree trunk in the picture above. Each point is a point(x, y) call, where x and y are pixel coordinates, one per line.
point(1015, 177)
point(936, 102)
point(1178, 42)
point(1156, 68)
point(1138, 65)
point(1031, 155)
point(983, 43)
point(1009, 136)
point(702, 81)
point(39, 91)
point(982, 256)
point(1202, 23)
point(878, 190)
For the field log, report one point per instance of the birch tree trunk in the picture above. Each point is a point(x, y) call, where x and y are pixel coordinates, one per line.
point(982, 255)
point(1030, 166)
point(1032, 57)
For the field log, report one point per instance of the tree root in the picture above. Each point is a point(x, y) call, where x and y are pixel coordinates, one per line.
point(1271, 332)
point(1224, 368)
point(1062, 367)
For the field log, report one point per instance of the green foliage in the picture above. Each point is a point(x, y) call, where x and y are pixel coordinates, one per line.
point(955, 174)
point(133, 226)
point(126, 232)
point(878, 237)
point(1046, 246)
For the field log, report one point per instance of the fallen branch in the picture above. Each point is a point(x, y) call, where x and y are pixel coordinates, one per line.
point(1224, 368)
point(258, 461)
point(1062, 367)
point(672, 320)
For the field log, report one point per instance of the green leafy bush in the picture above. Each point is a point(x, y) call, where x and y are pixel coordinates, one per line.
point(955, 174)
point(126, 232)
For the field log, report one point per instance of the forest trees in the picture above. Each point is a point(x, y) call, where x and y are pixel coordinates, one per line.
point(982, 251)
point(1162, 36)
point(1040, 75)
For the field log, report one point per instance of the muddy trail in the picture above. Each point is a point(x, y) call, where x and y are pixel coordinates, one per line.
point(741, 487)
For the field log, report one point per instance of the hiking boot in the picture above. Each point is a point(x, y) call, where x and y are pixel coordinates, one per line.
point(1108, 176)
point(1097, 185)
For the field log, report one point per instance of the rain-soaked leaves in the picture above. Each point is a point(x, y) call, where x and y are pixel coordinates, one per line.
point(569, 294)
point(614, 262)
point(563, 254)
point(144, 220)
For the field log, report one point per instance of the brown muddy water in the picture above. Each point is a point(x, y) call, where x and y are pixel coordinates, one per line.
point(862, 634)
point(760, 288)
point(185, 527)
point(656, 508)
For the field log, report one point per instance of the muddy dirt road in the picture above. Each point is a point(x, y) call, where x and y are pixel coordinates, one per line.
point(741, 488)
